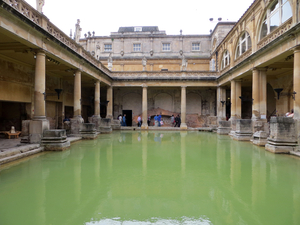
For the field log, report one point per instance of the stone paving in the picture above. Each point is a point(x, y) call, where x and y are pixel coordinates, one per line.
point(6, 144)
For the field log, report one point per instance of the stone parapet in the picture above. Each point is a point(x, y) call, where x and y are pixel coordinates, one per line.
point(224, 127)
point(283, 137)
point(88, 131)
point(55, 140)
point(243, 130)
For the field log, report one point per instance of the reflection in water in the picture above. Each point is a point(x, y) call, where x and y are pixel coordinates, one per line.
point(180, 178)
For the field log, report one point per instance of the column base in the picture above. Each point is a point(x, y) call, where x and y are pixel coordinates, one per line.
point(97, 121)
point(144, 126)
point(75, 125)
point(36, 129)
point(183, 126)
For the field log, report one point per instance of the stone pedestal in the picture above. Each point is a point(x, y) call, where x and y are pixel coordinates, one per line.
point(260, 138)
point(55, 140)
point(115, 124)
point(36, 130)
point(105, 126)
point(75, 125)
point(233, 126)
point(213, 122)
point(97, 121)
point(283, 137)
point(224, 127)
point(243, 130)
point(88, 131)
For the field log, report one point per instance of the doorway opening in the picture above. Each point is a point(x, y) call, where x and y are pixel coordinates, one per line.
point(128, 117)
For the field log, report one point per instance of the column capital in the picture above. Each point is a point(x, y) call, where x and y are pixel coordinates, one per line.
point(183, 86)
point(259, 69)
point(296, 49)
point(144, 86)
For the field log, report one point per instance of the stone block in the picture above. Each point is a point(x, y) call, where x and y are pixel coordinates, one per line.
point(75, 125)
point(97, 121)
point(25, 128)
point(283, 137)
point(243, 130)
point(36, 130)
point(55, 140)
point(88, 131)
point(115, 125)
point(224, 127)
point(260, 138)
point(105, 126)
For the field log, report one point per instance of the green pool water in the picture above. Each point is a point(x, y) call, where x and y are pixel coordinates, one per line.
point(152, 178)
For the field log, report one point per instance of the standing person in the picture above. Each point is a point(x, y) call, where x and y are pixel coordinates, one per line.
point(179, 121)
point(159, 119)
point(172, 120)
point(124, 120)
point(120, 119)
point(148, 120)
point(139, 121)
point(176, 121)
point(156, 120)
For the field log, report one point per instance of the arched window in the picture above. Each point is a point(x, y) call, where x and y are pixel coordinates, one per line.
point(279, 12)
point(243, 45)
point(225, 59)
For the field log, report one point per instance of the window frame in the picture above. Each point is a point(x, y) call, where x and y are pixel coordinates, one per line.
point(225, 56)
point(105, 48)
point(240, 44)
point(134, 48)
point(194, 45)
point(168, 49)
point(271, 14)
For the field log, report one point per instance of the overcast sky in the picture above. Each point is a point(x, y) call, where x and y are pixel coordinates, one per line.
point(103, 17)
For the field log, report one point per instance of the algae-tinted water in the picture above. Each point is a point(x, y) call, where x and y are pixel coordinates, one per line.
point(152, 178)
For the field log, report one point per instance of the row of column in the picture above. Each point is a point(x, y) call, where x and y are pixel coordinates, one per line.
point(259, 97)
point(40, 87)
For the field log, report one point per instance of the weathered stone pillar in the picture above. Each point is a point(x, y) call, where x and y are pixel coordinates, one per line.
point(221, 103)
point(263, 94)
point(238, 92)
point(40, 86)
point(233, 100)
point(183, 108)
point(77, 120)
point(297, 84)
point(255, 94)
point(109, 111)
point(145, 108)
point(39, 122)
point(97, 99)
point(96, 119)
point(77, 94)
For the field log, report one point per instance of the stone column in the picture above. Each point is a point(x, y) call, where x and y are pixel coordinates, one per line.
point(183, 107)
point(77, 120)
point(97, 99)
point(39, 123)
point(255, 94)
point(221, 107)
point(96, 119)
point(145, 108)
point(297, 83)
point(109, 111)
point(263, 94)
point(40, 86)
point(233, 100)
point(238, 92)
point(77, 94)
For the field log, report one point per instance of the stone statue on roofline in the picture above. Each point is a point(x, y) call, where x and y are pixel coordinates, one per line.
point(77, 31)
point(183, 63)
point(39, 5)
point(144, 63)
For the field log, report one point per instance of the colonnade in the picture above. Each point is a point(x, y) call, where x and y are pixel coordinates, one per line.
point(39, 122)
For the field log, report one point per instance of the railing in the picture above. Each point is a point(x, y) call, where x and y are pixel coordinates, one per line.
point(164, 75)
